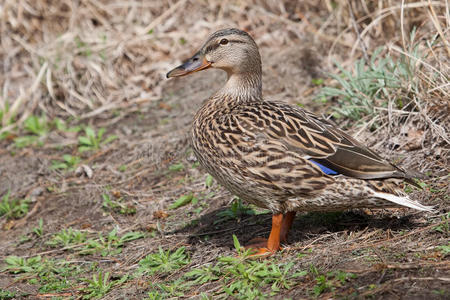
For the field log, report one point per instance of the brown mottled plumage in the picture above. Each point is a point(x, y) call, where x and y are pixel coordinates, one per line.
point(279, 156)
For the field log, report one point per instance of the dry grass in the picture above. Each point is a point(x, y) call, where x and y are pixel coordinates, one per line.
point(97, 56)
point(103, 63)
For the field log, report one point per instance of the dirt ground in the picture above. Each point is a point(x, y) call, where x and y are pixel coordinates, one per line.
point(130, 183)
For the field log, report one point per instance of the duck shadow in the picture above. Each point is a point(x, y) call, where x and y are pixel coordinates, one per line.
point(217, 230)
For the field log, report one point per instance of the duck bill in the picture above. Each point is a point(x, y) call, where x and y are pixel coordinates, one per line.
point(196, 63)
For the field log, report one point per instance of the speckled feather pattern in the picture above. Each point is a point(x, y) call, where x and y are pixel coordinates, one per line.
point(268, 153)
point(259, 151)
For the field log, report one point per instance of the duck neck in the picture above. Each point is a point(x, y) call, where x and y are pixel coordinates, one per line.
point(242, 87)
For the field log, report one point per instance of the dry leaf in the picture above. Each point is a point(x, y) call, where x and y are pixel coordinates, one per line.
point(160, 214)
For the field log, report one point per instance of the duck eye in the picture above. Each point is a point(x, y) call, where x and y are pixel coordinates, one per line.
point(223, 41)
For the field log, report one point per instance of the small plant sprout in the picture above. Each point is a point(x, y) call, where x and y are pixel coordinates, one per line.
point(111, 244)
point(330, 281)
point(164, 262)
point(445, 249)
point(209, 181)
point(184, 200)
point(68, 163)
point(176, 167)
point(36, 128)
point(117, 205)
point(100, 284)
point(444, 226)
point(39, 231)
point(93, 141)
point(13, 208)
point(204, 274)
point(61, 126)
point(67, 237)
point(15, 264)
point(36, 125)
point(5, 294)
point(7, 119)
point(240, 250)
point(236, 211)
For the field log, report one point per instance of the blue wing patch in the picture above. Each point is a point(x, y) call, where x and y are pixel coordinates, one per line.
point(324, 169)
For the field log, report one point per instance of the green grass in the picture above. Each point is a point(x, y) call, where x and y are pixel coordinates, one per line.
point(35, 129)
point(235, 212)
point(62, 126)
point(105, 245)
point(238, 277)
point(5, 294)
point(209, 181)
point(168, 289)
point(116, 205)
point(68, 162)
point(36, 125)
point(51, 275)
point(93, 140)
point(445, 249)
point(163, 262)
point(184, 200)
point(84, 48)
point(100, 284)
point(39, 231)
point(111, 244)
point(245, 278)
point(13, 208)
point(17, 264)
point(444, 227)
point(54, 276)
point(329, 281)
point(176, 167)
point(68, 237)
point(372, 83)
point(7, 118)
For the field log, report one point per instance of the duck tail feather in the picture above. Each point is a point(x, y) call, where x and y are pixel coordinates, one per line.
point(403, 201)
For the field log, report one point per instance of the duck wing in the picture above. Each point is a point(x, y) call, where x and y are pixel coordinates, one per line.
point(316, 139)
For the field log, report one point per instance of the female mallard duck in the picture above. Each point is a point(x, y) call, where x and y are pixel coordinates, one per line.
point(279, 156)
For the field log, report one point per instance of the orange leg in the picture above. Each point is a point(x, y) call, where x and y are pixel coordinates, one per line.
point(288, 218)
point(279, 232)
point(272, 245)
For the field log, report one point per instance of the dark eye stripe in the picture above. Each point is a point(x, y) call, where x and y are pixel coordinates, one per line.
point(236, 41)
point(211, 48)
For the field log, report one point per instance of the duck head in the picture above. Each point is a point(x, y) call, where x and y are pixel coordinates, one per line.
point(231, 50)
